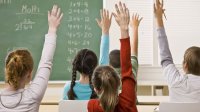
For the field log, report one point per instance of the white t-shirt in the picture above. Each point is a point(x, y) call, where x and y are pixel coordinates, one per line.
point(28, 100)
point(182, 88)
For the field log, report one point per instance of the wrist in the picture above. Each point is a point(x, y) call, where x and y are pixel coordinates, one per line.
point(124, 33)
point(52, 30)
point(135, 28)
point(160, 22)
point(105, 32)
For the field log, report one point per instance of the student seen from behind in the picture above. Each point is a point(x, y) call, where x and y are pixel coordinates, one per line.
point(18, 72)
point(182, 87)
point(113, 58)
point(106, 81)
point(84, 64)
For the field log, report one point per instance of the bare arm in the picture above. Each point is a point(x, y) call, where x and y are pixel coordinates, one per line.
point(135, 22)
point(104, 24)
point(122, 18)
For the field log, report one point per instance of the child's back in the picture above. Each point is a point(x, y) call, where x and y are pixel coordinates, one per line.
point(18, 72)
point(182, 87)
point(84, 62)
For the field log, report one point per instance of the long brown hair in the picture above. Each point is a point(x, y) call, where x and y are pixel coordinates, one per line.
point(18, 64)
point(106, 81)
point(84, 62)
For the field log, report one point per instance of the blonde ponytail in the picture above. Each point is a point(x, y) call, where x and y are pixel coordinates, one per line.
point(18, 64)
point(107, 82)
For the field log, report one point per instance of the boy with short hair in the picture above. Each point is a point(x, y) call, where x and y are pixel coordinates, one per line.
point(182, 88)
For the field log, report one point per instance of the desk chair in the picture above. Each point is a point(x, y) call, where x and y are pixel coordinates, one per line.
point(179, 107)
point(73, 106)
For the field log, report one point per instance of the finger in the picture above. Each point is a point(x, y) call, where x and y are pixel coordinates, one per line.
point(157, 3)
point(54, 10)
point(140, 19)
point(61, 16)
point(164, 10)
point(101, 13)
point(104, 13)
point(98, 22)
point(124, 6)
point(162, 4)
point(128, 14)
point(111, 17)
point(49, 14)
point(133, 16)
point(137, 16)
point(58, 13)
point(121, 8)
point(107, 16)
point(117, 9)
point(154, 6)
point(115, 15)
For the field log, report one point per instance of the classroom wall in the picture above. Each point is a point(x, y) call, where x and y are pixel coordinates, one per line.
point(181, 26)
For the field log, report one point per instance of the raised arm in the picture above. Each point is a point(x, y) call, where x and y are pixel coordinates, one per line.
point(165, 53)
point(128, 94)
point(135, 22)
point(104, 24)
point(40, 82)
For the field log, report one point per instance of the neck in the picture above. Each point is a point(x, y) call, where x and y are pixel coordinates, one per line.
point(84, 79)
point(11, 87)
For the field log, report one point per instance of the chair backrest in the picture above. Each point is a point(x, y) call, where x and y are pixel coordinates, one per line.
point(179, 107)
point(73, 106)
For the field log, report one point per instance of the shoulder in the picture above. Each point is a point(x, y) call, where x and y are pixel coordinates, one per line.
point(134, 62)
point(173, 76)
point(170, 68)
point(93, 104)
point(67, 85)
point(133, 57)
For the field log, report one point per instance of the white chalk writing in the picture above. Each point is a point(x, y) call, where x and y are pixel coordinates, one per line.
point(6, 2)
point(32, 9)
point(26, 24)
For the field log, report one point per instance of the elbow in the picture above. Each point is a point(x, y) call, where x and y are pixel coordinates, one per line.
point(166, 62)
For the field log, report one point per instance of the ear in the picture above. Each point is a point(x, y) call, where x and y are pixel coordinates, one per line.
point(185, 67)
point(29, 77)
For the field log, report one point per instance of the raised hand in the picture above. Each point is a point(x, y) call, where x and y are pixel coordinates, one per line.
point(54, 18)
point(122, 17)
point(105, 21)
point(159, 11)
point(135, 21)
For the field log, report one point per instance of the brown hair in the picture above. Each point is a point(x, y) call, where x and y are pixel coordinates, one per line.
point(84, 62)
point(114, 58)
point(17, 64)
point(106, 81)
point(192, 60)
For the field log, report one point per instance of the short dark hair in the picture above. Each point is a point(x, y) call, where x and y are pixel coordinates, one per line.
point(192, 60)
point(114, 58)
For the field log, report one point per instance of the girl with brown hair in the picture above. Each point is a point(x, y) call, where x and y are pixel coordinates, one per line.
point(18, 72)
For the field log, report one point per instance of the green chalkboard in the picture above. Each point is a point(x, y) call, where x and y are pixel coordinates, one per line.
point(23, 24)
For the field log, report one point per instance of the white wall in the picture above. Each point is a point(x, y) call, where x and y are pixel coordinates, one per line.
point(182, 27)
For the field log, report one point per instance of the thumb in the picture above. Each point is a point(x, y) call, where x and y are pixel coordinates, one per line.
point(98, 22)
point(114, 15)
